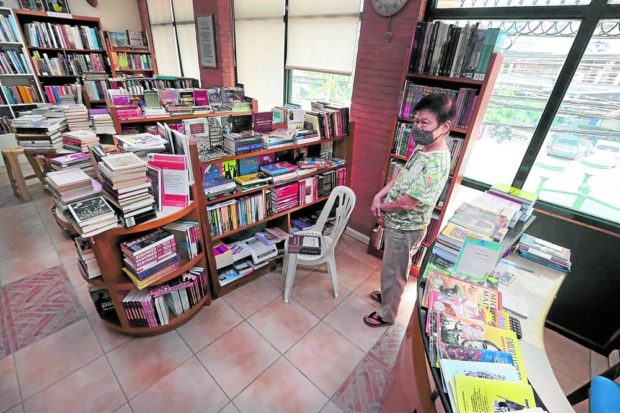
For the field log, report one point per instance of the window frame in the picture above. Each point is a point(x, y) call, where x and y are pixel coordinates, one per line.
point(589, 16)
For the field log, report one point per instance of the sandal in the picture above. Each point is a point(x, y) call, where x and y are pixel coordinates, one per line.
point(376, 295)
point(373, 320)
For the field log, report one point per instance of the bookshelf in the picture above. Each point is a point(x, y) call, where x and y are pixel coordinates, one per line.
point(47, 51)
point(468, 133)
point(19, 86)
point(110, 258)
point(135, 58)
point(342, 148)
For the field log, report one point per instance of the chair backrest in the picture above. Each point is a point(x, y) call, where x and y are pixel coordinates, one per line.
point(346, 202)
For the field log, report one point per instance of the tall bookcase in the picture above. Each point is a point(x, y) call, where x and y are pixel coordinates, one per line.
point(106, 246)
point(49, 18)
point(468, 134)
point(118, 53)
point(342, 148)
point(16, 78)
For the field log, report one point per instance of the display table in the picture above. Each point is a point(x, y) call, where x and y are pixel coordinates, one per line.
point(411, 389)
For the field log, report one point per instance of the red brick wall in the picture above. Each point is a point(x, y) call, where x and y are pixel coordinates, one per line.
point(224, 75)
point(377, 90)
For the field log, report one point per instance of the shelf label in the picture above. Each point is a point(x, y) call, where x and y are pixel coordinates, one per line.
point(61, 15)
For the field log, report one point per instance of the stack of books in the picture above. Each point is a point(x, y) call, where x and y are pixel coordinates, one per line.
point(77, 117)
point(279, 137)
point(71, 185)
point(86, 258)
point(125, 185)
point(470, 335)
point(328, 119)
point(92, 216)
point(252, 181)
point(544, 252)
point(38, 132)
point(78, 160)
point(282, 198)
point(526, 199)
point(243, 142)
point(187, 237)
point(79, 140)
point(403, 143)
point(150, 257)
point(218, 186)
point(329, 180)
point(306, 136)
point(141, 142)
point(101, 121)
point(281, 172)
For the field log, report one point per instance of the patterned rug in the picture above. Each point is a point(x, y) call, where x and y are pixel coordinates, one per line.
point(36, 307)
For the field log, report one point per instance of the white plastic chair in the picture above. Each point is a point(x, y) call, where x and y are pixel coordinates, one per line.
point(346, 203)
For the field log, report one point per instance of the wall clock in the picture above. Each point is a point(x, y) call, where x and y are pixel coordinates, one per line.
point(387, 8)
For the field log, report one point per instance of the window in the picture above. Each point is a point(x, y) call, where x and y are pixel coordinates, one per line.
point(552, 124)
point(319, 40)
point(534, 53)
point(578, 165)
point(172, 25)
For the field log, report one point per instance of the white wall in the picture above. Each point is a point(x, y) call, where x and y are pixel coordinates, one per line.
point(114, 14)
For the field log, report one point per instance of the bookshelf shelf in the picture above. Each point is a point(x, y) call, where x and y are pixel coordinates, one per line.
point(139, 50)
point(17, 74)
point(454, 80)
point(342, 149)
point(274, 150)
point(106, 247)
point(483, 92)
point(59, 49)
point(128, 285)
point(134, 70)
point(154, 119)
point(135, 51)
point(263, 221)
point(10, 43)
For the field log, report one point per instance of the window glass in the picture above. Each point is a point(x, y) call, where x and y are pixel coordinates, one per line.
point(307, 86)
point(534, 52)
point(465, 4)
point(165, 45)
point(578, 166)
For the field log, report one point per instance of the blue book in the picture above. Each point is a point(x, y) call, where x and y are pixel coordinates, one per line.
point(248, 165)
point(216, 181)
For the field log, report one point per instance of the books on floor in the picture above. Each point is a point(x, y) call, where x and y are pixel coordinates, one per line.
point(544, 252)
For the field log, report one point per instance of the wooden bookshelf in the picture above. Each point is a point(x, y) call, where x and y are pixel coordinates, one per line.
point(30, 16)
point(342, 149)
point(17, 79)
point(484, 89)
point(114, 51)
point(106, 246)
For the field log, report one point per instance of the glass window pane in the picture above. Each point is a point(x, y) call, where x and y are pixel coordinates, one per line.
point(183, 11)
point(579, 164)
point(466, 4)
point(310, 86)
point(165, 45)
point(160, 11)
point(189, 50)
point(534, 53)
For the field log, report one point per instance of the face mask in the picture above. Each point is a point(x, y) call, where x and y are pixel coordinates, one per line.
point(422, 137)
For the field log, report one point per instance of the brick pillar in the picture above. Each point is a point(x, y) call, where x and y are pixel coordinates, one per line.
point(377, 90)
point(221, 10)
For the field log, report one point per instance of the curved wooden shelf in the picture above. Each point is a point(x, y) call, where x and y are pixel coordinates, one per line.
point(169, 214)
point(154, 119)
point(448, 79)
point(149, 331)
point(129, 285)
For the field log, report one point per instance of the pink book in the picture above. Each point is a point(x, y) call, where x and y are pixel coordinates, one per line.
point(201, 97)
point(175, 187)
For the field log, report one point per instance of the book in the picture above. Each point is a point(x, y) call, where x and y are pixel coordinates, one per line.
point(123, 161)
point(262, 122)
point(91, 210)
point(305, 244)
point(446, 283)
point(480, 395)
point(175, 179)
point(103, 303)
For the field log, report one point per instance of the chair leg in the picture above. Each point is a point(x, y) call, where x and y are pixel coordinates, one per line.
point(291, 268)
point(331, 268)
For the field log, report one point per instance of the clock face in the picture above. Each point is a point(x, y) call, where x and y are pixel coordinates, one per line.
point(388, 7)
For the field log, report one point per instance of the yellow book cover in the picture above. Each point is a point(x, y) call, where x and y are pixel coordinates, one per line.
point(454, 331)
point(476, 395)
point(519, 193)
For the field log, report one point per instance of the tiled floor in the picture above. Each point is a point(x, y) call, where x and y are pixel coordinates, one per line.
point(248, 352)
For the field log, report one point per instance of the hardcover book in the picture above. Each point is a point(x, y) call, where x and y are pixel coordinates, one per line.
point(91, 210)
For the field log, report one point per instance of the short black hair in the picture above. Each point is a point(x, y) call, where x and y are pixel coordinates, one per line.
point(440, 105)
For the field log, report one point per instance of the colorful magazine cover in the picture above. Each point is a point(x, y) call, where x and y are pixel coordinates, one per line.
point(447, 284)
point(478, 395)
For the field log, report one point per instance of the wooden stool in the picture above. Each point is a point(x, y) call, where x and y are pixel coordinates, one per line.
point(14, 171)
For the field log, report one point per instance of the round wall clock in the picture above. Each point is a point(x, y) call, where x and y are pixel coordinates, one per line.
point(388, 8)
